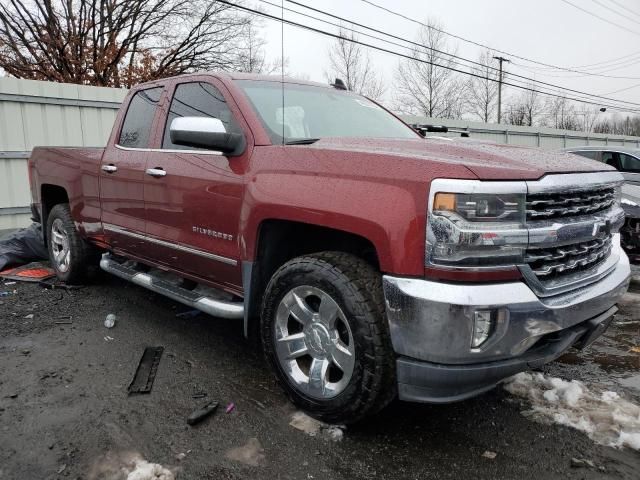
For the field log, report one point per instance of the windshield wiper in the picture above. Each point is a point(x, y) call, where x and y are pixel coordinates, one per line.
point(302, 141)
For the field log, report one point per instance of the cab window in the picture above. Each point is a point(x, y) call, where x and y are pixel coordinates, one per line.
point(611, 158)
point(136, 126)
point(592, 154)
point(198, 99)
point(629, 163)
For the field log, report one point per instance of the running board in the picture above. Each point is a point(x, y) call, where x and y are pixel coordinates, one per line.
point(201, 298)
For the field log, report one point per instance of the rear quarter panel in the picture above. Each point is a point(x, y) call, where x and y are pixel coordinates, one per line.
point(76, 170)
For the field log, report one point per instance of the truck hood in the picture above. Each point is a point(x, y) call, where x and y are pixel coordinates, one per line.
point(488, 161)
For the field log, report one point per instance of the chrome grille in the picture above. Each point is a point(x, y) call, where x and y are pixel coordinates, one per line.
point(553, 263)
point(542, 206)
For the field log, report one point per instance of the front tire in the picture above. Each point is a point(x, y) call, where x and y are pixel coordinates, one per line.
point(326, 336)
point(71, 256)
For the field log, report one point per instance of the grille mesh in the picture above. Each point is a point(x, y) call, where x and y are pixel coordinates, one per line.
point(542, 206)
point(553, 263)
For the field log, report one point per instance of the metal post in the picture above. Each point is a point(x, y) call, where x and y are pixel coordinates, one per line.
point(500, 59)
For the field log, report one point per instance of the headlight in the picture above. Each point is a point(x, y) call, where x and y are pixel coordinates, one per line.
point(473, 228)
point(481, 207)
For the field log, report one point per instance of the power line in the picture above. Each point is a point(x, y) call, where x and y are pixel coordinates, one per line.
point(610, 65)
point(625, 7)
point(601, 18)
point(409, 57)
point(623, 15)
point(613, 60)
point(541, 71)
point(472, 42)
point(529, 79)
point(624, 89)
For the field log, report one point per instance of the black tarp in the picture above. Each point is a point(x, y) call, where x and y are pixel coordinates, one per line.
point(22, 246)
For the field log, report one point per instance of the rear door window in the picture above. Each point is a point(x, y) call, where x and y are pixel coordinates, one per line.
point(198, 99)
point(138, 120)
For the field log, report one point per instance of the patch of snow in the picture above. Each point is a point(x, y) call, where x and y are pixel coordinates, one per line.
point(251, 453)
point(127, 465)
point(313, 427)
point(144, 470)
point(605, 417)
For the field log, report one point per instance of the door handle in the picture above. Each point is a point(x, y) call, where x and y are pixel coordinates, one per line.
point(156, 172)
point(111, 168)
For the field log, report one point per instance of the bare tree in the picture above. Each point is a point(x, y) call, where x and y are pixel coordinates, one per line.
point(117, 42)
point(425, 83)
point(483, 89)
point(516, 114)
point(525, 109)
point(350, 62)
point(562, 114)
point(618, 125)
point(252, 57)
point(589, 118)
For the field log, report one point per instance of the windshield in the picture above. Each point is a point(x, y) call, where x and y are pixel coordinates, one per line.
point(315, 112)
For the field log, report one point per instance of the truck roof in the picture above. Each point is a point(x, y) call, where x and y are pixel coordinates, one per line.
point(231, 76)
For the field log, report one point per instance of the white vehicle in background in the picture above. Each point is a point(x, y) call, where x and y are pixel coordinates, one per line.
point(627, 161)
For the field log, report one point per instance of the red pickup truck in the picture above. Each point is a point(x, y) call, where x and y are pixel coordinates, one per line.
point(370, 261)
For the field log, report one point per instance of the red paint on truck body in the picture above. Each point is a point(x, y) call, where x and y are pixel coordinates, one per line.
point(374, 188)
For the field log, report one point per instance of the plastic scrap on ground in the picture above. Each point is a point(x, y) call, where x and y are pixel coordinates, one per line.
point(110, 320)
point(31, 272)
point(202, 413)
point(146, 371)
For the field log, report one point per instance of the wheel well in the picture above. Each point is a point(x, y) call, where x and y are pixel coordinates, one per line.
point(50, 196)
point(280, 241)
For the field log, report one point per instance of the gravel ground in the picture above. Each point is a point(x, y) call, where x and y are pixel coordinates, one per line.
point(65, 412)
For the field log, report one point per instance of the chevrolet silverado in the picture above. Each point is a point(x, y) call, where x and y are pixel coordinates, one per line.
point(372, 263)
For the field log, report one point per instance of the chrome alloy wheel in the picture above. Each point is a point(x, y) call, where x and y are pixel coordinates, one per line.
point(60, 246)
point(314, 343)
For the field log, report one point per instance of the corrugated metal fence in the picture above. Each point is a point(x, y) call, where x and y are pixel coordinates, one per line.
point(36, 113)
point(529, 136)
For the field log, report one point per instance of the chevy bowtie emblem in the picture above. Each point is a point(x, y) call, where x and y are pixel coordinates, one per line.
point(601, 227)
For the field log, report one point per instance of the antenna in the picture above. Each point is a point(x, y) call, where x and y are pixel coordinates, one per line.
point(282, 62)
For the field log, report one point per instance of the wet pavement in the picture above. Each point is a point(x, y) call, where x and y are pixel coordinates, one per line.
point(65, 412)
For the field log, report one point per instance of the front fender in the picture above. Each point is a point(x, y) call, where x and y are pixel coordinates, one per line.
point(391, 215)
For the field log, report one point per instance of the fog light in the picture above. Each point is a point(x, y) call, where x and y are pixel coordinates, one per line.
point(482, 326)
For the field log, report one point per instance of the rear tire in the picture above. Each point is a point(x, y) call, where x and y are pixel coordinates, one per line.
point(326, 336)
point(71, 256)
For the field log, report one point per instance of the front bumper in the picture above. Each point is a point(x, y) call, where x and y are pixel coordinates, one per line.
point(431, 326)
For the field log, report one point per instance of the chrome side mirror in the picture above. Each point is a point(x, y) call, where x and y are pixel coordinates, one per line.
point(205, 132)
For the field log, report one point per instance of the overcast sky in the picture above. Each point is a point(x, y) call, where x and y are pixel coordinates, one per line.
point(549, 31)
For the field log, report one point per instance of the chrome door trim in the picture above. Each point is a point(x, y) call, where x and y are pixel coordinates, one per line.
point(109, 168)
point(175, 246)
point(199, 152)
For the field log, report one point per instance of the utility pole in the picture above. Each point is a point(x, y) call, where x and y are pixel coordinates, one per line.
point(500, 59)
